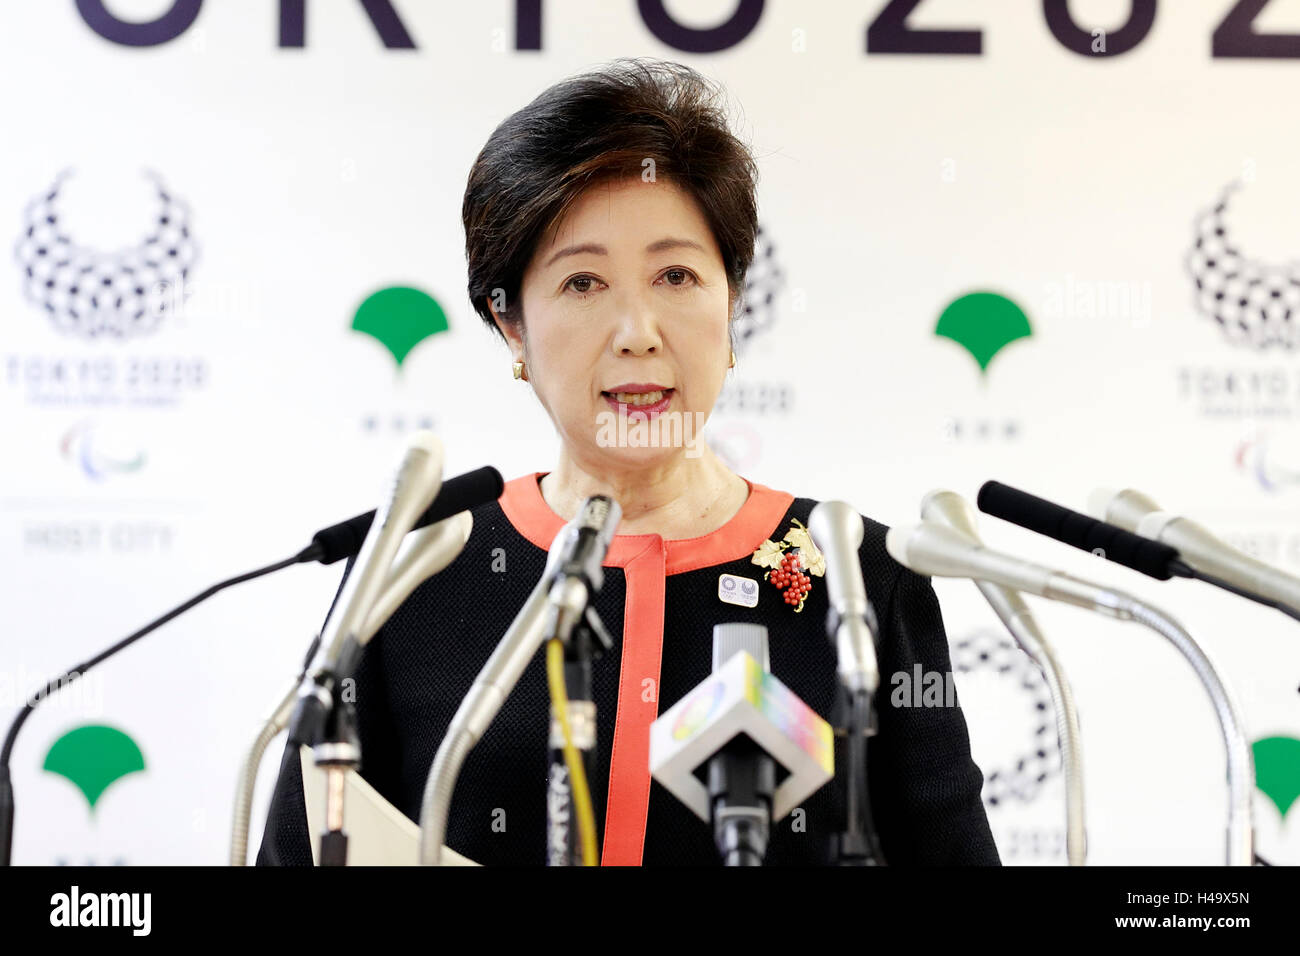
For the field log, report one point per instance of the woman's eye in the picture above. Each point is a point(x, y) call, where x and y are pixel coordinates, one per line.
point(581, 284)
point(678, 277)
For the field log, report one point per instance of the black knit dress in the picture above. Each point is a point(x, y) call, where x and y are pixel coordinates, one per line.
point(660, 601)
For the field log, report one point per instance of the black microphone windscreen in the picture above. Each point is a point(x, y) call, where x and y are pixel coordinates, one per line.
point(1078, 530)
point(462, 493)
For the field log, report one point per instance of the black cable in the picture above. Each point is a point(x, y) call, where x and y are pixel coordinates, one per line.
point(310, 553)
point(860, 809)
point(1241, 592)
point(857, 759)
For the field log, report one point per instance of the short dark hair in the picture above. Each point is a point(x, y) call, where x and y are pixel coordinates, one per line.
point(597, 126)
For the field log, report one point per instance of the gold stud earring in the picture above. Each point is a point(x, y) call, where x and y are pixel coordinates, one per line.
point(518, 369)
point(733, 359)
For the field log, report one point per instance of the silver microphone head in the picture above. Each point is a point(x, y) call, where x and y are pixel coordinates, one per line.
point(412, 487)
point(950, 508)
point(588, 536)
point(830, 518)
point(1124, 509)
point(836, 530)
point(932, 549)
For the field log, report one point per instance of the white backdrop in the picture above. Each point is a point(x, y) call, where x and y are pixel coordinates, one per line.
point(137, 470)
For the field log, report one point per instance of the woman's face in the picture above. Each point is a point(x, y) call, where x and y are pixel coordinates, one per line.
point(626, 313)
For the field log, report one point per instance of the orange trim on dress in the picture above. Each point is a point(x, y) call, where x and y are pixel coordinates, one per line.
point(646, 560)
point(532, 517)
point(638, 705)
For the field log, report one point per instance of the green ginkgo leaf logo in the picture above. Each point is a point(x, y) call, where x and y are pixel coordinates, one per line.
point(1277, 770)
point(400, 318)
point(93, 758)
point(983, 323)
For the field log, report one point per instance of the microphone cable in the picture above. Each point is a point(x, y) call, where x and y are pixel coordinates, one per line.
point(572, 759)
point(1241, 592)
point(310, 553)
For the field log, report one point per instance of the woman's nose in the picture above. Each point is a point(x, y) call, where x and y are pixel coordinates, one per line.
point(638, 330)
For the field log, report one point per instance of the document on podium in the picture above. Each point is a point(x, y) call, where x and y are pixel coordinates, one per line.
point(379, 834)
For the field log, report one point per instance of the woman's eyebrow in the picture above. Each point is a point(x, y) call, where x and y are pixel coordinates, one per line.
point(591, 247)
point(663, 245)
point(595, 249)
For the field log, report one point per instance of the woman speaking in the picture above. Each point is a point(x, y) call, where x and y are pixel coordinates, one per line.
point(609, 226)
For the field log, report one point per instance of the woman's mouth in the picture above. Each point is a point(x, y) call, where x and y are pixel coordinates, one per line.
point(640, 404)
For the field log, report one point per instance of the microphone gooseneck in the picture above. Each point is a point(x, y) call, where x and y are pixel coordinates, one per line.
point(426, 552)
point(938, 550)
point(837, 530)
point(573, 565)
point(458, 494)
point(955, 511)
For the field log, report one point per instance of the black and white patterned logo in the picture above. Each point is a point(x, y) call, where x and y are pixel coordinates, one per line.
point(96, 293)
point(1030, 761)
point(763, 283)
point(1255, 303)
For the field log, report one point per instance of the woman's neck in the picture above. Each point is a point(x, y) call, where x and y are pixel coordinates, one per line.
point(684, 498)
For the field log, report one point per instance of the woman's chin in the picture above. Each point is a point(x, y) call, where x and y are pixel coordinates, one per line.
point(627, 457)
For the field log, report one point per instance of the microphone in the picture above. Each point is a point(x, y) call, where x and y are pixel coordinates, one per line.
point(951, 509)
point(742, 775)
point(1216, 561)
point(735, 727)
point(1080, 531)
point(425, 553)
point(330, 544)
point(1156, 551)
point(941, 551)
point(573, 562)
point(836, 529)
point(572, 624)
point(582, 545)
point(413, 488)
point(462, 493)
point(1121, 508)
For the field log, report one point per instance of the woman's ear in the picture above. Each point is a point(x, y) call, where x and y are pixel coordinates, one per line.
point(512, 331)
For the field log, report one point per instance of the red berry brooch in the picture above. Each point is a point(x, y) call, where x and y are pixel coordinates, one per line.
point(790, 563)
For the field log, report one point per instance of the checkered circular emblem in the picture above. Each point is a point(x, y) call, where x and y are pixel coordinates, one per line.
point(95, 293)
point(1255, 303)
point(1038, 758)
point(763, 282)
